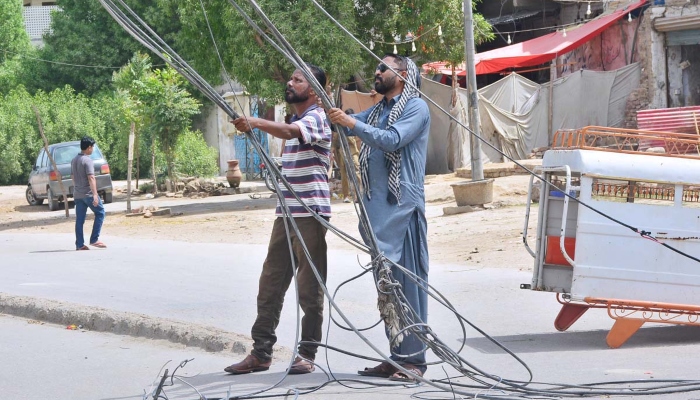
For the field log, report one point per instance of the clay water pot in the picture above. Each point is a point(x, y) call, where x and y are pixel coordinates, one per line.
point(233, 174)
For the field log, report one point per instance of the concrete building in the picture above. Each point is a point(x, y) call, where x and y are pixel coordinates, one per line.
point(220, 134)
point(664, 38)
point(669, 39)
point(37, 18)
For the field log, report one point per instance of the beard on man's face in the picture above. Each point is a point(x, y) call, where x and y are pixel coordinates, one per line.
point(382, 86)
point(292, 97)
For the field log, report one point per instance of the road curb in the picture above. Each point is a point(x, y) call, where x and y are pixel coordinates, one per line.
point(123, 323)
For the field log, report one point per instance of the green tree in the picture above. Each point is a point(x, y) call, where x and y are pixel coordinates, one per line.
point(14, 43)
point(158, 103)
point(435, 27)
point(252, 61)
point(128, 83)
point(170, 109)
point(261, 69)
point(65, 115)
point(108, 107)
point(14, 111)
point(13, 37)
point(83, 33)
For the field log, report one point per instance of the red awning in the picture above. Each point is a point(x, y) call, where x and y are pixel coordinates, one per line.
point(539, 50)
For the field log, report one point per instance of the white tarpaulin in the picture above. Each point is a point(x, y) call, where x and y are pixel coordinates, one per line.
point(514, 113)
point(514, 110)
point(441, 139)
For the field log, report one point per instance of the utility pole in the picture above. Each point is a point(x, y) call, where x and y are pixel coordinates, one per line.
point(130, 162)
point(474, 123)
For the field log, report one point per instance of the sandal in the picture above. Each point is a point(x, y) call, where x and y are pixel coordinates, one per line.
point(383, 370)
point(400, 376)
point(301, 366)
point(99, 244)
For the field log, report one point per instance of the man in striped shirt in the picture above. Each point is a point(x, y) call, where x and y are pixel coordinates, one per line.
point(305, 162)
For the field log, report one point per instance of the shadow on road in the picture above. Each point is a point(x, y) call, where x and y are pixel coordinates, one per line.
point(653, 336)
point(58, 217)
point(218, 384)
point(240, 204)
point(49, 251)
point(42, 208)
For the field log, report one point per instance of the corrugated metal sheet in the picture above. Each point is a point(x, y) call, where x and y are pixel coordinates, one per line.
point(671, 24)
point(679, 120)
point(683, 38)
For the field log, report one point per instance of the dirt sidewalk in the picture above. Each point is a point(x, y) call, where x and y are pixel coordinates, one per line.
point(490, 237)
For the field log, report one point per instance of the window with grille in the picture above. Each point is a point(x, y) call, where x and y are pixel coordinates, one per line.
point(37, 20)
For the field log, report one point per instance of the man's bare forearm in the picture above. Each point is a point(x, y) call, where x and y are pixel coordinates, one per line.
point(93, 184)
point(276, 129)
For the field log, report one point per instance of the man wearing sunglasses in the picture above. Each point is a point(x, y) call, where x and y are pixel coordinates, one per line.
point(394, 136)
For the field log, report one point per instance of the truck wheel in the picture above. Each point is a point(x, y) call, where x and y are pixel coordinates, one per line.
point(107, 198)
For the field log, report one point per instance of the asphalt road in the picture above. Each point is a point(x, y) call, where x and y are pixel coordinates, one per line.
point(214, 285)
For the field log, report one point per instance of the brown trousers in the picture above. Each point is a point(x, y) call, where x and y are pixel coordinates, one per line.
point(277, 274)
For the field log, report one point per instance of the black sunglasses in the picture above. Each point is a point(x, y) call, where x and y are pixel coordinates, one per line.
point(383, 68)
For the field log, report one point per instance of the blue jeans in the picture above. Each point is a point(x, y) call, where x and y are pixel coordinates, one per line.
point(81, 206)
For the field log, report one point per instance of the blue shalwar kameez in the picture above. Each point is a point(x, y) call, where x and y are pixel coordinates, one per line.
point(401, 229)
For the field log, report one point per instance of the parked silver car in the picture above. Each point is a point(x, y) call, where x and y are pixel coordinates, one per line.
point(43, 180)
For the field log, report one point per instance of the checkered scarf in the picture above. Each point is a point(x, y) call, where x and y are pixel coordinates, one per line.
point(392, 159)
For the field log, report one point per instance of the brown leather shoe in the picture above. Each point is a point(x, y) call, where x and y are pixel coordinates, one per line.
point(248, 365)
point(301, 366)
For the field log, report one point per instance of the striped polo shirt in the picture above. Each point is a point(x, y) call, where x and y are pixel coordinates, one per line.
point(305, 163)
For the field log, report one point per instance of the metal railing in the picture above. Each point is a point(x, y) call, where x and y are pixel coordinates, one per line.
point(630, 141)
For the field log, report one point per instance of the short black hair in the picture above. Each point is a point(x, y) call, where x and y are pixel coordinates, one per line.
point(402, 63)
point(86, 142)
point(319, 74)
point(400, 60)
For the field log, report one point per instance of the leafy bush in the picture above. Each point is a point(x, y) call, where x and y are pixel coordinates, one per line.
point(146, 187)
point(194, 157)
point(65, 116)
point(115, 144)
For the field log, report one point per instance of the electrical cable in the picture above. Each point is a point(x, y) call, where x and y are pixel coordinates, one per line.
point(154, 43)
point(370, 234)
point(305, 250)
point(287, 217)
point(299, 62)
point(641, 232)
point(299, 65)
point(257, 10)
point(57, 62)
point(396, 293)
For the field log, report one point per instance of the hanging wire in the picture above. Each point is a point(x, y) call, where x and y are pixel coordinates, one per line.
point(21, 55)
point(418, 328)
point(641, 232)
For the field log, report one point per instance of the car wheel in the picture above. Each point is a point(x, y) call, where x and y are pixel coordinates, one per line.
point(107, 198)
point(53, 202)
point(31, 198)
